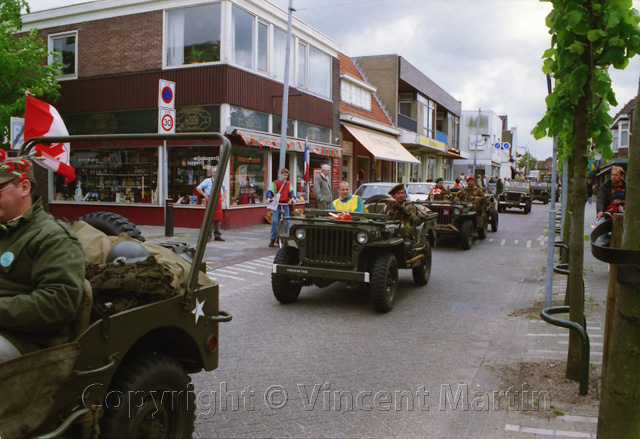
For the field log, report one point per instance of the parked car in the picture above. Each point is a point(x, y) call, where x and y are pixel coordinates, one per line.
point(419, 191)
point(368, 191)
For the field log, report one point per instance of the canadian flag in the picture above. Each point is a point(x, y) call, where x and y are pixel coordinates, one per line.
point(41, 119)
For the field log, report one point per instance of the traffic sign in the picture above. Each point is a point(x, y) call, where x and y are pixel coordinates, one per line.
point(166, 121)
point(506, 145)
point(167, 94)
point(497, 145)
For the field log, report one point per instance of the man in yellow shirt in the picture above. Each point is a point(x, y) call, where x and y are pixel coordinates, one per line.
point(347, 202)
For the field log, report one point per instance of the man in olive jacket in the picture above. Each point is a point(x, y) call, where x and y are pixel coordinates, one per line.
point(41, 271)
point(322, 188)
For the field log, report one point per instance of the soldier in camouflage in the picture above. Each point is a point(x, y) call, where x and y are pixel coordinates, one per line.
point(473, 194)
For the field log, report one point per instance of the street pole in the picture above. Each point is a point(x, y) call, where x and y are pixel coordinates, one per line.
point(475, 150)
point(285, 94)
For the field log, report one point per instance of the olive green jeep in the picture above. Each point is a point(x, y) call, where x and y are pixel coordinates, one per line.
point(364, 249)
point(459, 220)
point(125, 372)
point(541, 191)
point(516, 194)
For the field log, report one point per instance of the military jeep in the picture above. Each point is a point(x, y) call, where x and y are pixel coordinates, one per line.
point(125, 373)
point(364, 249)
point(459, 220)
point(516, 194)
point(541, 191)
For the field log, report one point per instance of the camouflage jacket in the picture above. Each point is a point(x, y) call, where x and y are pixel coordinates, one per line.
point(475, 195)
point(41, 280)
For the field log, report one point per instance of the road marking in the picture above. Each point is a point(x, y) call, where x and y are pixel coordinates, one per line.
point(255, 264)
point(503, 241)
point(244, 269)
point(565, 334)
point(515, 242)
point(490, 239)
point(591, 343)
point(225, 271)
point(224, 275)
point(529, 244)
point(546, 432)
point(569, 418)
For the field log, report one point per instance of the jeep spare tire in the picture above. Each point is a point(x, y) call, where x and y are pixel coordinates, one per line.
point(112, 224)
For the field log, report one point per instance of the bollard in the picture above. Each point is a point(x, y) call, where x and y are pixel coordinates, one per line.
point(168, 218)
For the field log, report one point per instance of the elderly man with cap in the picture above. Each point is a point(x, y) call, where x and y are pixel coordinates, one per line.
point(439, 192)
point(322, 188)
point(41, 268)
point(473, 194)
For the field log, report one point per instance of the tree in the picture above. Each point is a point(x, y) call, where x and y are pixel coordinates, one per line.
point(23, 61)
point(587, 38)
point(619, 415)
point(527, 161)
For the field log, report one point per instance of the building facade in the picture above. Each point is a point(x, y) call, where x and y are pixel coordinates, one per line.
point(428, 116)
point(227, 59)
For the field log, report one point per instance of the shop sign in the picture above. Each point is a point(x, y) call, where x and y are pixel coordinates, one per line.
point(425, 141)
point(200, 160)
point(335, 172)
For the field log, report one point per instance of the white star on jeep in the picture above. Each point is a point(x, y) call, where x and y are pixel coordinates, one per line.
point(198, 310)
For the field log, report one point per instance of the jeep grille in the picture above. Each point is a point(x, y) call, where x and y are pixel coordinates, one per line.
point(513, 196)
point(444, 213)
point(330, 245)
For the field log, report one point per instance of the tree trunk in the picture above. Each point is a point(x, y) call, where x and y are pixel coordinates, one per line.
point(619, 415)
point(578, 199)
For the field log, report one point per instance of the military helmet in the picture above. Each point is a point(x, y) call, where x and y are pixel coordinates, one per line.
point(127, 252)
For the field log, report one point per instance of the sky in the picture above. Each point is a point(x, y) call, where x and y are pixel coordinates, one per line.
point(485, 53)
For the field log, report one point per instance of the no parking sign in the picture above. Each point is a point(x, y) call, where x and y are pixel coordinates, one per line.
point(167, 94)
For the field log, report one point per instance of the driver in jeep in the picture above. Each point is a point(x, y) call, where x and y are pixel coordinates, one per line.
point(473, 194)
point(41, 269)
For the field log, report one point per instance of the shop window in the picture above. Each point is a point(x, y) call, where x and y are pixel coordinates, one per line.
point(123, 175)
point(193, 35)
point(242, 32)
point(315, 165)
point(249, 179)
point(253, 120)
point(64, 47)
point(316, 133)
point(188, 167)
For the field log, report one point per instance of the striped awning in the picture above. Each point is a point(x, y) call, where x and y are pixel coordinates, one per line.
point(272, 141)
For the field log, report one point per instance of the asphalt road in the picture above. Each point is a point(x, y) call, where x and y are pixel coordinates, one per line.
point(328, 365)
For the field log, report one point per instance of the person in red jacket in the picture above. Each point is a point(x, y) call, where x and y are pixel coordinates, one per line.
point(617, 205)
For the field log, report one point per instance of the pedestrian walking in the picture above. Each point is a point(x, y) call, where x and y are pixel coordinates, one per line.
point(589, 190)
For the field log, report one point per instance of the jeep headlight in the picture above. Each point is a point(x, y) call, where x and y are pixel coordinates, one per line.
point(300, 234)
point(456, 211)
point(362, 238)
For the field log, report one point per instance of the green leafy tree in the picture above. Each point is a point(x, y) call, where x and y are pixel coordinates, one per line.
point(588, 37)
point(23, 60)
point(527, 161)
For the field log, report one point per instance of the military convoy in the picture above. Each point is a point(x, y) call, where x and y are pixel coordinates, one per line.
point(125, 372)
point(362, 249)
point(516, 194)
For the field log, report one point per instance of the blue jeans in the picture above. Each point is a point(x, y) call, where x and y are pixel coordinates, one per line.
point(274, 222)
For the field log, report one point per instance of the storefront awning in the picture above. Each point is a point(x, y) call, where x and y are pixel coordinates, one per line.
point(272, 141)
point(382, 147)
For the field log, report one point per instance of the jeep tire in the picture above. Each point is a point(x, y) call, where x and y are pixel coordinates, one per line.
point(112, 224)
point(527, 208)
point(482, 231)
point(284, 290)
point(422, 272)
point(493, 220)
point(140, 416)
point(384, 282)
point(465, 234)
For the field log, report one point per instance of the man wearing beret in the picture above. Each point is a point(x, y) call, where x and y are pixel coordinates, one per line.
point(398, 208)
point(473, 194)
point(41, 269)
point(439, 192)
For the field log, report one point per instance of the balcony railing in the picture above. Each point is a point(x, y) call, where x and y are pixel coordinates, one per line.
point(407, 123)
point(442, 137)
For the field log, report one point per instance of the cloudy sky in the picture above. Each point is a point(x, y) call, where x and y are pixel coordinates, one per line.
point(485, 53)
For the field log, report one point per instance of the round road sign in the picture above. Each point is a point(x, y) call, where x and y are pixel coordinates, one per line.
point(167, 95)
point(506, 145)
point(167, 122)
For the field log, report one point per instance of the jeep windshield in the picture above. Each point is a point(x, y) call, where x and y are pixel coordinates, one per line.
point(517, 184)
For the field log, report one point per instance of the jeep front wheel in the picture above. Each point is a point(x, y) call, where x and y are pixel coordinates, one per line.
point(493, 219)
point(384, 281)
point(465, 235)
point(482, 230)
point(284, 289)
point(422, 272)
point(156, 399)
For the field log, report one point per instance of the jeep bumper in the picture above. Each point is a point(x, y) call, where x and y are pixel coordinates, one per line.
point(324, 273)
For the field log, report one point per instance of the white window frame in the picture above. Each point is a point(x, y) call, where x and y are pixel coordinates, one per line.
point(257, 45)
point(624, 127)
point(55, 36)
point(305, 59)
